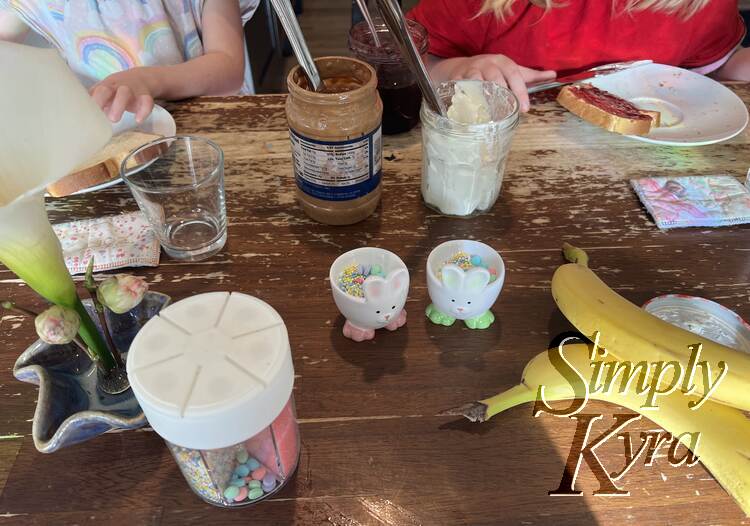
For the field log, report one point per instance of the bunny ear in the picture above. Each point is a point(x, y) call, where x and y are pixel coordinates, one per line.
point(398, 280)
point(477, 279)
point(453, 277)
point(374, 288)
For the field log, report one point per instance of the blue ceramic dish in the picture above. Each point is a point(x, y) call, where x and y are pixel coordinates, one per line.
point(70, 408)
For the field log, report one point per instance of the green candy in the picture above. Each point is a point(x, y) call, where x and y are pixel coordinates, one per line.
point(231, 492)
point(253, 484)
point(242, 456)
point(254, 493)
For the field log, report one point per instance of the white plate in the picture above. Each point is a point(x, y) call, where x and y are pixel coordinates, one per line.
point(160, 122)
point(695, 110)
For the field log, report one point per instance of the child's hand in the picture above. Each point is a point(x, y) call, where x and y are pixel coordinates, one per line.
point(128, 90)
point(736, 68)
point(496, 68)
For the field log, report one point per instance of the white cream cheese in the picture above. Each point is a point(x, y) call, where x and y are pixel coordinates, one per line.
point(463, 165)
point(469, 105)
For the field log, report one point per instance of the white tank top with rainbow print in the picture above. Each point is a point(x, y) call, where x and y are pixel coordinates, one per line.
point(102, 37)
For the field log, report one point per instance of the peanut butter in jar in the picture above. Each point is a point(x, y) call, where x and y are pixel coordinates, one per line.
point(336, 140)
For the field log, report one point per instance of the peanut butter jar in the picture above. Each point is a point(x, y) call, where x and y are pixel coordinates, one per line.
point(336, 140)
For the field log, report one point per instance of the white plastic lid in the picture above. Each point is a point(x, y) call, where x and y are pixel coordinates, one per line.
point(212, 370)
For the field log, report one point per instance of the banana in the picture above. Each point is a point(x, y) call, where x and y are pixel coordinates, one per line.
point(724, 445)
point(632, 334)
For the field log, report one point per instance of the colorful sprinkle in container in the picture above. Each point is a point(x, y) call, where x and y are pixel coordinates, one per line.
point(466, 261)
point(353, 277)
point(214, 376)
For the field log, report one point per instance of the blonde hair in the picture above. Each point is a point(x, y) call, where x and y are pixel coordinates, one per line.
point(685, 8)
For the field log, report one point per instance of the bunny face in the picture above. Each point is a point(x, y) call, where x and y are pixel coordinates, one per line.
point(464, 294)
point(385, 298)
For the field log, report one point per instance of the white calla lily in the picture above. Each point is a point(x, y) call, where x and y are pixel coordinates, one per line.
point(50, 126)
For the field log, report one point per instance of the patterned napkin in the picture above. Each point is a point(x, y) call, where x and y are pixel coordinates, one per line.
point(708, 201)
point(115, 242)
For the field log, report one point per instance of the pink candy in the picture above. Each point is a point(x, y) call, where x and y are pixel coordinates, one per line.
point(242, 495)
point(259, 473)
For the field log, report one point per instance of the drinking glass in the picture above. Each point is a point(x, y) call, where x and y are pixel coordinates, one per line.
point(178, 183)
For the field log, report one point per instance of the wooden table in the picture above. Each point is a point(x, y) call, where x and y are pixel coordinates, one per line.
point(372, 450)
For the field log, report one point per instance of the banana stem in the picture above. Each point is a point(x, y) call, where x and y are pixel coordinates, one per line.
point(575, 254)
point(516, 395)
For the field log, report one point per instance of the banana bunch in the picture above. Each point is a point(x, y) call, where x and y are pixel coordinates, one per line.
point(631, 333)
point(724, 446)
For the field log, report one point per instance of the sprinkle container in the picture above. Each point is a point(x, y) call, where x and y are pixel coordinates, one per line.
point(214, 376)
point(370, 286)
point(464, 279)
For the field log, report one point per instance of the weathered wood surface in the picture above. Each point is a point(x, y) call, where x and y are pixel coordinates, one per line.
point(373, 451)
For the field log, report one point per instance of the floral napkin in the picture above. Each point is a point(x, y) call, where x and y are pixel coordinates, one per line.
point(115, 242)
point(707, 201)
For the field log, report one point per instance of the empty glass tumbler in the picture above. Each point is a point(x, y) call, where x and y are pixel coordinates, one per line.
point(178, 183)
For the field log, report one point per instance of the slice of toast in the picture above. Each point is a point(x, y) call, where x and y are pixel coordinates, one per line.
point(655, 117)
point(104, 166)
point(606, 110)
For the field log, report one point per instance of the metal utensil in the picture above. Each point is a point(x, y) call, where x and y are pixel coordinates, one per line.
point(362, 4)
point(394, 19)
point(291, 27)
point(598, 71)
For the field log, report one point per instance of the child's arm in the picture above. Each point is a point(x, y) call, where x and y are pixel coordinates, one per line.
point(12, 28)
point(219, 71)
point(736, 68)
point(497, 68)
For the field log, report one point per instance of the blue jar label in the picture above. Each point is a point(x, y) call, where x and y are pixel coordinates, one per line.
point(337, 171)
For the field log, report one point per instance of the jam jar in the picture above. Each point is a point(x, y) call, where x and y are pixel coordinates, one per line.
point(336, 140)
point(397, 85)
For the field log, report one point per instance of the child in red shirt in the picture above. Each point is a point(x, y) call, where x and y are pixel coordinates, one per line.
point(521, 42)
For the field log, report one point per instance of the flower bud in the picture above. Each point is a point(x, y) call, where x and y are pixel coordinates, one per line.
point(122, 292)
point(57, 325)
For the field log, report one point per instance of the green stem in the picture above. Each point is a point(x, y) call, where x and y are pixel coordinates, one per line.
point(575, 255)
point(516, 395)
point(98, 350)
point(99, 308)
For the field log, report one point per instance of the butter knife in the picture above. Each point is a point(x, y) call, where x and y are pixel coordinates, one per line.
point(598, 71)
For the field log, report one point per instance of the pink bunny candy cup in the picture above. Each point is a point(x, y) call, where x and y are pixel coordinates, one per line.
point(464, 293)
point(384, 286)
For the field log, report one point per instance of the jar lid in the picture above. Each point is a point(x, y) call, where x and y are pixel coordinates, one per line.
point(212, 370)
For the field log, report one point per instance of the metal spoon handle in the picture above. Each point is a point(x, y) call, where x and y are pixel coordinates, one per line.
point(291, 27)
point(394, 19)
point(362, 4)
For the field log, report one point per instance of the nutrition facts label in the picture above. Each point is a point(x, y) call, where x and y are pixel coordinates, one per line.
point(337, 170)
